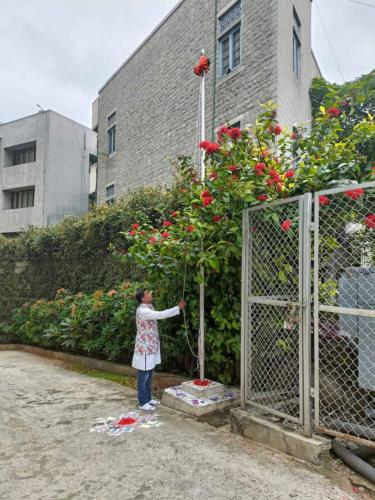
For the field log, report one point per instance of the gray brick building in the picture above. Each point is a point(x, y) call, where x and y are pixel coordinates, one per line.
point(147, 112)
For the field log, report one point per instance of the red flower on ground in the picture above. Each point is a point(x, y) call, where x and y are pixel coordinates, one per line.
point(165, 235)
point(216, 218)
point(167, 223)
point(262, 197)
point(133, 232)
point(333, 112)
point(190, 229)
point(207, 200)
point(126, 421)
point(289, 174)
point(355, 193)
point(213, 175)
point(324, 200)
point(370, 221)
point(233, 168)
point(286, 225)
point(153, 239)
point(209, 147)
point(173, 214)
point(135, 226)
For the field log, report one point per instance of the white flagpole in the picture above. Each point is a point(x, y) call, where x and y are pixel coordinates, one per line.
point(201, 286)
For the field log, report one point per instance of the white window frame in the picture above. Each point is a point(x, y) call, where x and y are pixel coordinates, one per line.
point(229, 35)
point(110, 200)
point(111, 132)
point(297, 45)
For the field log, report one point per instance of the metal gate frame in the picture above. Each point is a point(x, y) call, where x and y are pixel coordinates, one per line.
point(303, 304)
point(319, 307)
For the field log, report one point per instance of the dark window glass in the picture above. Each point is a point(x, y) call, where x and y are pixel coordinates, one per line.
point(23, 198)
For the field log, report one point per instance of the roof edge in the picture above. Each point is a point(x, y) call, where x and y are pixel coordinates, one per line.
point(142, 44)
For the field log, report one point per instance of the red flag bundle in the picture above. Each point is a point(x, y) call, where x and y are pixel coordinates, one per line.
point(203, 66)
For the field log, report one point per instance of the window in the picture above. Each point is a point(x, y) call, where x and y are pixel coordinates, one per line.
point(92, 160)
point(26, 155)
point(111, 133)
point(230, 39)
point(110, 194)
point(22, 199)
point(235, 125)
point(296, 44)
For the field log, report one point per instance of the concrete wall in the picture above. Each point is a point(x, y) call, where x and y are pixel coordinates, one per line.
point(59, 174)
point(292, 93)
point(155, 93)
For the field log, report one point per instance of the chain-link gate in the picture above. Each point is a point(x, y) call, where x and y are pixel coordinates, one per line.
point(275, 309)
point(278, 288)
point(344, 312)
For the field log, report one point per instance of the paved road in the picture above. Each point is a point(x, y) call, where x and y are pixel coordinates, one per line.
point(47, 451)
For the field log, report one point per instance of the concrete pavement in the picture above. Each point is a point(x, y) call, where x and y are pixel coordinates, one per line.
point(47, 451)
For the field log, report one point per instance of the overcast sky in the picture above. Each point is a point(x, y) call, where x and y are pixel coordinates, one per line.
point(58, 53)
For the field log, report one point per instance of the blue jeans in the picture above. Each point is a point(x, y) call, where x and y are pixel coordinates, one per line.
point(144, 385)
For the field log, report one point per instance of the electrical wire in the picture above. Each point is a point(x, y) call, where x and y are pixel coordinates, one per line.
point(329, 41)
point(363, 3)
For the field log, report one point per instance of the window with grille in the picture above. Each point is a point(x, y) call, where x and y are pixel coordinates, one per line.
point(27, 155)
point(230, 39)
point(110, 194)
point(22, 199)
point(296, 44)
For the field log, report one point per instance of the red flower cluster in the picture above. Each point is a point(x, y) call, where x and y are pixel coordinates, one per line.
point(233, 133)
point(153, 239)
point(165, 235)
point(275, 129)
point(289, 174)
point(209, 147)
point(355, 193)
point(173, 214)
point(133, 232)
point(324, 200)
point(286, 225)
point(213, 175)
point(201, 382)
point(167, 223)
point(190, 229)
point(135, 226)
point(275, 176)
point(203, 66)
point(207, 198)
point(216, 218)
point(370, 221)
point(259, 169)
point(333, 112)
point(262, 197)
point(233, 168)
point(294, 136)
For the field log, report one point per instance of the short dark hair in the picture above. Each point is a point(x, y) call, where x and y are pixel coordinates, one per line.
point(140, 294)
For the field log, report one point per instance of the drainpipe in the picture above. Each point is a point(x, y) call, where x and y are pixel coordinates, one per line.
point(214, 75)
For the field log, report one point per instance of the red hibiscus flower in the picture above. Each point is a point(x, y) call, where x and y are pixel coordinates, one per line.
point(153, 239)
point(262, 197)
point(370, 221)
point(286, 225)
point(333, 112)
point(324, 200)
point(289, 174)
point(165, 235)
point(133, 232)
point(233, 168)
point(190, 229)
point(173, 214)
point(355, 193)
point(167, 223)
point(213, 175)
point(207, 200)
point(216, 218)
point(209, 147)
point(135, 226)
